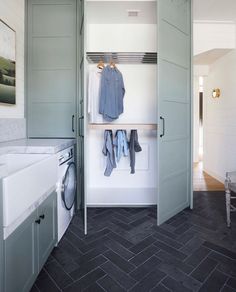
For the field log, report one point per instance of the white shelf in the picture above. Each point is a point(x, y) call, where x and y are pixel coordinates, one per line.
point(123, 126)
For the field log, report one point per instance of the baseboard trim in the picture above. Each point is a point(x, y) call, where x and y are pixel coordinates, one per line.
point(214, 175)
point(120, 205)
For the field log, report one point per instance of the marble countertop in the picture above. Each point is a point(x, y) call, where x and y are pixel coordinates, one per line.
point(31, 146)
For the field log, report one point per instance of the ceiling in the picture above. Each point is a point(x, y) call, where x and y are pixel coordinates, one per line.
point(214, 10)
point(209, 57)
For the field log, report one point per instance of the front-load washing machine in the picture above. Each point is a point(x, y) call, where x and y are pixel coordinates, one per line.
point(66, 190)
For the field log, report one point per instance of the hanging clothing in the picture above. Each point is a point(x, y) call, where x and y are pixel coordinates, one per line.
point(134, 146)
point(112, 93)
point(108, 150)
point(94, 83)
point(121, 144)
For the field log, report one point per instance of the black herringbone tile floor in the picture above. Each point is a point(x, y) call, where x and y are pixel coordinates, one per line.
point(125, 251)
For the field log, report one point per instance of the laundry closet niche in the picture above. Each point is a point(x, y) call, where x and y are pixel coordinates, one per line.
point(157, 102)
point(111, 29)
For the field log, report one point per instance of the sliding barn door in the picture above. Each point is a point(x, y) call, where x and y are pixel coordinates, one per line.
point(174, 107)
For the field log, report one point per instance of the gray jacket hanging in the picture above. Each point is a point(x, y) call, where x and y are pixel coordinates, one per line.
point(134, 146)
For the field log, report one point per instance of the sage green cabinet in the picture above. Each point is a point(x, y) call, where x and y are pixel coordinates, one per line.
point(28, 247)
point(51, 68)
point(47, 228)
point(20, 261)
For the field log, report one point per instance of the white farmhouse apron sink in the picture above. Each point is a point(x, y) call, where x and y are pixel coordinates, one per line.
point(25, 178)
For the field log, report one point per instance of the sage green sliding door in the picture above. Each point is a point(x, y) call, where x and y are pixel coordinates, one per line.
point(174, 107)
point(51, 68)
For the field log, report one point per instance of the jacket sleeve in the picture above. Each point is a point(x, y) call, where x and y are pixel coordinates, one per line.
point(102, 95)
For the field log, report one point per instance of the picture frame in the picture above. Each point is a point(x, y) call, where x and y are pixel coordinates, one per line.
point(7, 64)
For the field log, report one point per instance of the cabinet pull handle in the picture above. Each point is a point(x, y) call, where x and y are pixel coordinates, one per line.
point(163, 128)
point(42, 216)
point(38, 221)
point(73, 123)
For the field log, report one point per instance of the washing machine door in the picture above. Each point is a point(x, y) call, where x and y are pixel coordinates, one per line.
point(69, 186)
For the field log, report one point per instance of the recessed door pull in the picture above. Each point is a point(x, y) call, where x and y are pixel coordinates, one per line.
point(163, 126)
point(38, 221)
point(73, 123)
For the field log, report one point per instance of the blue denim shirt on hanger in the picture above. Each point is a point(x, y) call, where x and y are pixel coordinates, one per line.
point(112, 92)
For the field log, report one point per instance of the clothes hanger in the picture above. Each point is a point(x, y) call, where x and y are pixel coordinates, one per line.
point(112, 63)
point(101, 64)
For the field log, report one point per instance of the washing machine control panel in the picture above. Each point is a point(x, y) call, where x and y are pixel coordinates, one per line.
point(65, 156)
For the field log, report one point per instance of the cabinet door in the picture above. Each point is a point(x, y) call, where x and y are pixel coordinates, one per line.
point(20, 262)
point(51, 68)
point(81, 142)
point(47, 216)
point(174, 107)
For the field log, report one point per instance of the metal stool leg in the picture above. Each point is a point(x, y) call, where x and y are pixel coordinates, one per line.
point(228, 203)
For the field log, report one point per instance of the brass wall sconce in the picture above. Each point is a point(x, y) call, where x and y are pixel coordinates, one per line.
point(216, 93)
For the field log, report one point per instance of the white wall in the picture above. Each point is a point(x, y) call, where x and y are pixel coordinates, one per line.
point(220, 118)
point(210, 35)
point(12, 12)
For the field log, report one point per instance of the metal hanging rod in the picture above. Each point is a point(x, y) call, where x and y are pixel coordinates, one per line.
point(123, 57)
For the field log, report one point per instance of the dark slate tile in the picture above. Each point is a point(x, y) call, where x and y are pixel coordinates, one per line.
point(225, 264)
point(123, 264)
point(169, 234)
point(139, 221)
point(174, 285)
point(86, 281)
point(144, 255)
point(179, 221)
point(182, 228)
point(227, 289)
point(94, 288)
point(145, 268)
point(120, 249)
point(58, 275)
point(96, 235)
point(204, 269)
point(192, 245)
point(45, 284)
point(110, 285)
point(215, 282)
point(220, 249)
point(169, 259)
point(77, 242)
point(180, 276)
point(86, 267)
point(142, 245)
point(66, 262)
point(98, 242)
point(120, 239)
point(148, 282)
point(186, 237)
point(197, 256)
point(34, 289)
point(170, 250)
point(231, 282)
point(160, 288)
point(91, 254)
point(68, 248)
point(167, 240)
point(118, 275)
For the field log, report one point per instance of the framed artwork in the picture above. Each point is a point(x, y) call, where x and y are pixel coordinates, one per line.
point(7, 64)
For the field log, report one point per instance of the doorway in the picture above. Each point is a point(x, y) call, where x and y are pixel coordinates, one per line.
point(202, 181)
